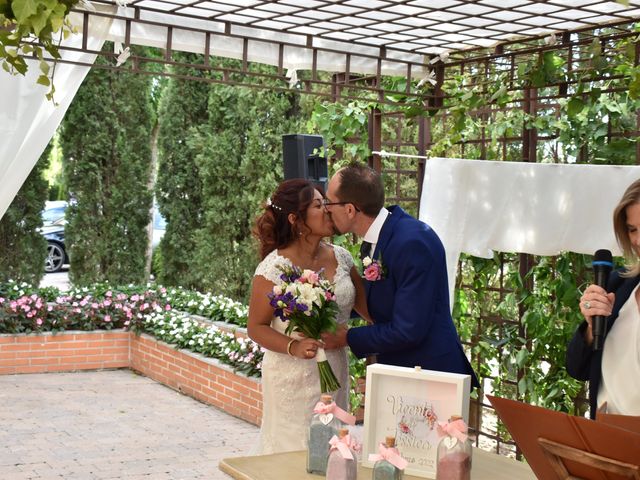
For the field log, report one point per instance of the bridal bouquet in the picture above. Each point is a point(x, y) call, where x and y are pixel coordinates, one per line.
point(307, 301)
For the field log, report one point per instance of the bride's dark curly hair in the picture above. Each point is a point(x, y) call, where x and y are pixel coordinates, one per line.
point(273, 229)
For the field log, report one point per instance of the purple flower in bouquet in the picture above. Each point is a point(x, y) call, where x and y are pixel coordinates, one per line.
point(306, 300)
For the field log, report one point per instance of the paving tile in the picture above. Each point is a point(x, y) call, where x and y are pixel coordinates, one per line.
point(112, 425)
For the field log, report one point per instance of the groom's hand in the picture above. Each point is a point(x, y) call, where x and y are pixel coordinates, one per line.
point(335, 340)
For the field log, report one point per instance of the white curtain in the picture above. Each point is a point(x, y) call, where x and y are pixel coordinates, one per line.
point(296, 55)
point(478, 207)
point(27, 119)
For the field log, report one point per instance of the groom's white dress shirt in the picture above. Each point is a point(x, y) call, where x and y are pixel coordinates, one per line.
point(373, 233)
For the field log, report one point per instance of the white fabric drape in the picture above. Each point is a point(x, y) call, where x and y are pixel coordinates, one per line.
point(28, 120)
point(478, 207)
point(296, 55)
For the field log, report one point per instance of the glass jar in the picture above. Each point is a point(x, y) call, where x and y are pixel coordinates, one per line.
point(339, 467)
point(383, 469)
point(454, 452)
point(322, 428)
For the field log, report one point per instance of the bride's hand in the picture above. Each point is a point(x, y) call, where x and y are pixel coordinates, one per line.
point(305, 348)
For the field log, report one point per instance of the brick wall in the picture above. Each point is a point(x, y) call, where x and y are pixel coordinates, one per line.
point(66, 351)
point(202, 378)
point(199, 377)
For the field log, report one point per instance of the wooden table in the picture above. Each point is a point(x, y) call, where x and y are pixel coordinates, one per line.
point(292, 466)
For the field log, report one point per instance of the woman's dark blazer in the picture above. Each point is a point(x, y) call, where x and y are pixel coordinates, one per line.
point(582, 362)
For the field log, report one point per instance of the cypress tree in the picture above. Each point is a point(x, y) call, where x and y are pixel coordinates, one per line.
point(240, 164)
point(183, 106)
point(22, 247)
point(107, 163)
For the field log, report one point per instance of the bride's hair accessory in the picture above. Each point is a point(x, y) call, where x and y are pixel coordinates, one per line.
point(273, 205)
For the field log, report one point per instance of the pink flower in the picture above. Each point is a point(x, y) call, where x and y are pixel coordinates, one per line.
point(309, 276)
point(108, 294)
point(313, 278)
point(167, 307)
point(373, 272)
point(39, 321)
point(107, 318)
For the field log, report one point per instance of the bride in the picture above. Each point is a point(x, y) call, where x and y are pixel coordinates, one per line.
point(291, 232)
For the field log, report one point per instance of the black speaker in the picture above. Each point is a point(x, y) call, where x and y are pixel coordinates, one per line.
point(300, 161)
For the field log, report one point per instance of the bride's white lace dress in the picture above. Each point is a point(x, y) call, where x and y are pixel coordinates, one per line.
point(291, 386)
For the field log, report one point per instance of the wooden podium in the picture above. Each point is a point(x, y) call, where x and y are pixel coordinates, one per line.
point(565, 447)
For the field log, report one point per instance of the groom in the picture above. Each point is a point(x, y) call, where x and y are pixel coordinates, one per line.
point(409, 303)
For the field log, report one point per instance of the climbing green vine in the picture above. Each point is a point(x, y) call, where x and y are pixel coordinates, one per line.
point(29, 28)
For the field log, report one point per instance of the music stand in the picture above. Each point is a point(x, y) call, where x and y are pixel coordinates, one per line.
point(565, 447)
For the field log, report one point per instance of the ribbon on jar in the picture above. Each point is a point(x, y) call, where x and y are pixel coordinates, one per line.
point(336, 410)
point(342, 445)
point(457, 429)
point(391, 455)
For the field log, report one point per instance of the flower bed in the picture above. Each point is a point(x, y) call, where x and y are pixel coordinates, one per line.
point(24, 309)
point(103, 327)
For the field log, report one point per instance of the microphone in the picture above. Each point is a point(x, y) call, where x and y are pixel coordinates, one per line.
point(602, 265)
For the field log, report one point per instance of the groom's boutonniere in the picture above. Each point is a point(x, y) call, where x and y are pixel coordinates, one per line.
point(373, 270)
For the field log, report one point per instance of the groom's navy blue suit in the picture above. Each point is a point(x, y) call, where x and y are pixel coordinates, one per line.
point(410, 305)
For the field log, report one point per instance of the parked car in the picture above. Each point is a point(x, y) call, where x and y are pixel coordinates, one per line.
point(53, 221)
point(53, 212)
point(53, 230)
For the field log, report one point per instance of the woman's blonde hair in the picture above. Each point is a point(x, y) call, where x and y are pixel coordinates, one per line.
point(631, 196)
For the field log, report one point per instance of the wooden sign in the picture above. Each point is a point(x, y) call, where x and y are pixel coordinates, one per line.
point(407, 403)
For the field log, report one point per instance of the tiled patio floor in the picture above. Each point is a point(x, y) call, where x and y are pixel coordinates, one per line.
point(111, 425)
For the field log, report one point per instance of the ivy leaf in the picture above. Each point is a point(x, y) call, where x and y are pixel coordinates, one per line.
point(23, 9)
point(499, 93)
point(43, 80)
point(537, 78)
point(57, 18)
point(39, 22)
point(521, 357)
point(575, 106)
point(44, 67)
point(522, 385)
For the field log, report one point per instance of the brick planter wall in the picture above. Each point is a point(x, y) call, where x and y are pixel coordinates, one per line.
point(202, 378)
point(66, 351)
